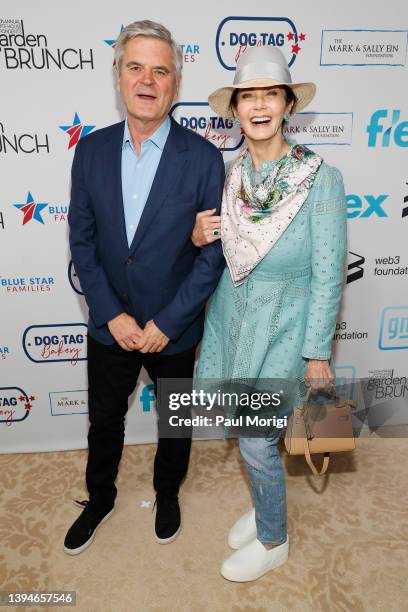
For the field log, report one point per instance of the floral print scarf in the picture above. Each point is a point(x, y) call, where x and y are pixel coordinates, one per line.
point(254, 218)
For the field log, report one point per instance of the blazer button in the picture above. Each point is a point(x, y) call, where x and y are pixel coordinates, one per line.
point(125, 297)
point(129, 261)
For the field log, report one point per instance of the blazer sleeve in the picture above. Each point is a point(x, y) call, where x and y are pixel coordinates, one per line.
point(209, 264)
point(329, 247)
point(102, 301)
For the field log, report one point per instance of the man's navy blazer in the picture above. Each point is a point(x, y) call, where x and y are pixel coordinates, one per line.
point(162, 275)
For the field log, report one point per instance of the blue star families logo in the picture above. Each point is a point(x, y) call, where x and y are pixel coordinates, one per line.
point(15, 405)
point(76, 131)
point(56, 343)
point(397, 132)
point(4, 352)
point(393, 329)
point(34, 211)
point(190, 52)
point(31, 209)
point(19, 285)
point(236, 34)
point(198, 117)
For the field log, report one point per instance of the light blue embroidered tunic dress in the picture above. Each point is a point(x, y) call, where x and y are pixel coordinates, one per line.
point(285, 311)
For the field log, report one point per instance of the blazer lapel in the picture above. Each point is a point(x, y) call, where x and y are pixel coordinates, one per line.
point(168, 171)
point(112, 164)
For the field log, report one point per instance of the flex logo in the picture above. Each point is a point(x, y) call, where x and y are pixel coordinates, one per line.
point(15, 405)
point(147, 397)
point(365, 206)
point(236, 34)
point(355, 269)
point(59, 342)
point(389, 126)
point(393, 328)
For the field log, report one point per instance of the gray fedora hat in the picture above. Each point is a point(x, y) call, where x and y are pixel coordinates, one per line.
point(260, 67)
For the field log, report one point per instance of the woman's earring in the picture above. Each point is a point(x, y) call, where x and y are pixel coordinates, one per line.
point(286, 116)
point(236, 122)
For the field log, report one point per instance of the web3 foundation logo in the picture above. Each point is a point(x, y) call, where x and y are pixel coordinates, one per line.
point(388, 124)
point(355, 269)
point(236, 34)
point(15, 405)
point(56, 343)
point(198, 117)
point(393, 328)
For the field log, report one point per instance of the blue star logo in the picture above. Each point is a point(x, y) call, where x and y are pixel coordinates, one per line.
point(31, 209)
point(112, 42)
point(76, 131)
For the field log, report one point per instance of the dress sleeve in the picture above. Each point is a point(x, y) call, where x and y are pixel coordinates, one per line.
point(329, 246)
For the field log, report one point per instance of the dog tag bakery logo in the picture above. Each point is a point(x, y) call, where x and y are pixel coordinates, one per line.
point(198, 117)
point(56, 343)
point(22, 49)
point(363, 48)
point(320, 128)
point(236, 34)
point(15, 405)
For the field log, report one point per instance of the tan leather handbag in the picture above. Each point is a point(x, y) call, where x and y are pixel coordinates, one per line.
point(320, 428)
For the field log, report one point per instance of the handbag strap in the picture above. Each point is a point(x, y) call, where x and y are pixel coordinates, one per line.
point(310, 461)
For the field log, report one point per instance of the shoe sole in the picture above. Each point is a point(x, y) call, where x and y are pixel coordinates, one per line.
point(253, 576)
point(168, 540)
point(77, 551)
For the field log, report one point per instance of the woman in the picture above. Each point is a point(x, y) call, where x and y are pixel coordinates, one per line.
point(273, 315)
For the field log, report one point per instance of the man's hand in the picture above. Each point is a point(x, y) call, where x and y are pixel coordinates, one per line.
point(153, 340)
point(206, 224)
point(318, 375)
point(126, 331)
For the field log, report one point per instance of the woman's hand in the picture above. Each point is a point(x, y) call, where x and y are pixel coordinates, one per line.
point(206, 224)
point(318, 375)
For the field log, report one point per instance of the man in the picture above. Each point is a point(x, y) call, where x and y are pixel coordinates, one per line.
point(136, 189)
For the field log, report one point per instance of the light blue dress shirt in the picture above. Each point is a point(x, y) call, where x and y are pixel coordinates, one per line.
point(138, 172)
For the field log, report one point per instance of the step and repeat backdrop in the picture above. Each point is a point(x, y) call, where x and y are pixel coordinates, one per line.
point(58, 85)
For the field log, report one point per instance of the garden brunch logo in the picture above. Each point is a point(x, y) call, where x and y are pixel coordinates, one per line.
point(23, 50)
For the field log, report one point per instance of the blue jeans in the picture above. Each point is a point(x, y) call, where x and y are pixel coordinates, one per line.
point(264, 467)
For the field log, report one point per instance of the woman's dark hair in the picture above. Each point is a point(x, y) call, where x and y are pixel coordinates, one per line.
point(289, 95)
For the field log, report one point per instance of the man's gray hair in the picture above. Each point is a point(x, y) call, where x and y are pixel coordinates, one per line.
point(151, 29)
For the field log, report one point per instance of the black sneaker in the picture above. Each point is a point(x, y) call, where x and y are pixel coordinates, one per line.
point(82, 532)
point(168, 521)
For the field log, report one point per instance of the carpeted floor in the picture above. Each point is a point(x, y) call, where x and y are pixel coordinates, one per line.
point(348, 531)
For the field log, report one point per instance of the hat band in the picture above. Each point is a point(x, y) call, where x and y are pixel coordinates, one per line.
point(262, 70)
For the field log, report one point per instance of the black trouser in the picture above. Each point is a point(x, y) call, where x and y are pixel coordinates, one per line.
point(113, 374)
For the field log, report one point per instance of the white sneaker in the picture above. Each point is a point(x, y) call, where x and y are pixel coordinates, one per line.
point(243, 531)
point(253, 561)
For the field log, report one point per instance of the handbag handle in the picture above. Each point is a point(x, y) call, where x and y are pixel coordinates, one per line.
point(310, 461)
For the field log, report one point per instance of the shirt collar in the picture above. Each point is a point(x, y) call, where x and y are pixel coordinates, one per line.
point(158, 137)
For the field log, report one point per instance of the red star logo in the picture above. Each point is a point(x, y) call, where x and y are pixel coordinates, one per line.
point(302, 36)
point(27, 406)
point(295, 49)
point(21, 398)
point(32, 398)
point(290, 36)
